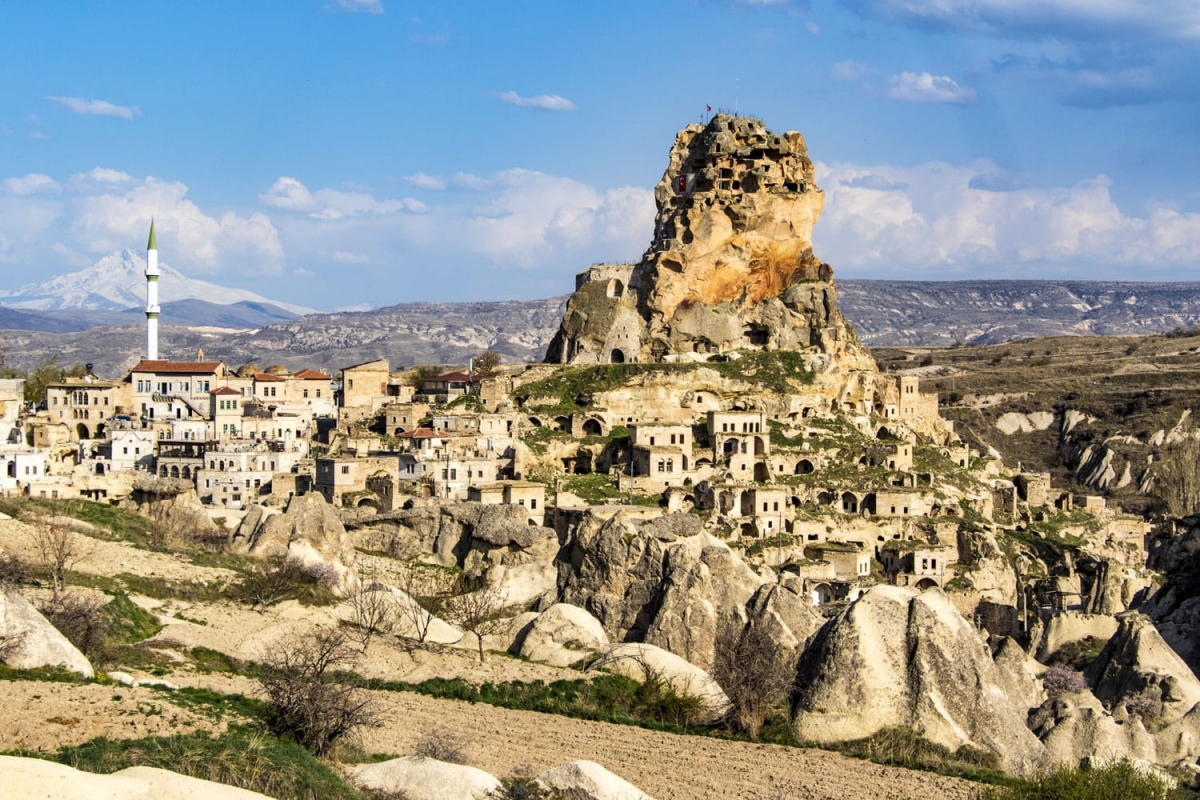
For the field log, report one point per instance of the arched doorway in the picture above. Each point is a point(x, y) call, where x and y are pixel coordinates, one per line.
point(562, 424)
point(822, 593)
point(99, 469)
point(849, 503)
point(761, 472)
point(81, 430)
point(174, 471)
point(925, 583)
point(760, 447)
point(618, 356)
point(804, 467)
point(593, 427)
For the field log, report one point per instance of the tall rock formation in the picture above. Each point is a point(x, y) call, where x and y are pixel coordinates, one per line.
point(731, 265)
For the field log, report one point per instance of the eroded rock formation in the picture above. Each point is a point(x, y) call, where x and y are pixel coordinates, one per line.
point(731, 265)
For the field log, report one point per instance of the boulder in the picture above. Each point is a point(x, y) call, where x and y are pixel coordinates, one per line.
point(33, 777)
point(523, 584)
point(28, 640)
point(587, 779)
point(897, 658)
point(640, 661)
point(174, 505)
point(1073, 626)
point(309, 535)
point(1075, 726)
point(670, 594)
point(424, 779)
point(562, 635)
point(1137, 662)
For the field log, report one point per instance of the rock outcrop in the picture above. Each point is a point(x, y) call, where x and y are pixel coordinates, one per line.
point(730, 266)
point(641, 662)
point(309, 535)
point(174, 505)
point(671, 594)
point(28, 640)
point(35, 777)
point(424, 779)
point(587, 780)
point(562, 635)
point(894, 657)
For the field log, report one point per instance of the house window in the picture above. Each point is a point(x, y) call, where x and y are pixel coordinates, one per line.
point(533, 503)
point(306, 392)
point(345, 469)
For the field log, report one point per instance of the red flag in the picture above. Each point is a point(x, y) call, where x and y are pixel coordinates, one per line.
point(708, 108)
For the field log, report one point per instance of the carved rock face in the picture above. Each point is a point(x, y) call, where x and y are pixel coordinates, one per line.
point(730, 266)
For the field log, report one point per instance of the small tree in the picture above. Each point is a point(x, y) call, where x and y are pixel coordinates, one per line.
point(476, 609)
point(1061, 679)
point(372, 612)
point(755, 670)
point(487, 362)
point(60, 550)
point(428, 590)
point(313, 697)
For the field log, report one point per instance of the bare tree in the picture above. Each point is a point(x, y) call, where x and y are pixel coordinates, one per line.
point(477, 609)
point(372, 612)
point(313, 696)
point(428, 589)
point(1177, 477)
point(264, 585)
point(755, 670)
point(60, 550)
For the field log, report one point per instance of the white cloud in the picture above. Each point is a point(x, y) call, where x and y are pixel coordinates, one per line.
point(516, 218)
point(423, 181)
point(100, 108)
point(96, 212)
point(289, 194)
point(971, 221)
point(1043, 19)
point(301, 272)
point(922, 87)
point(33, 183)
point(345, 257)
point(547, 102)
point(365, 6)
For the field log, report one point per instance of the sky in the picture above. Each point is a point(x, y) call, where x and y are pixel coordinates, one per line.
point(348, 154)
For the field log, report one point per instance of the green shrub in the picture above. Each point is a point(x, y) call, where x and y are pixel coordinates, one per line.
point(238, 758)
point(1121, 779)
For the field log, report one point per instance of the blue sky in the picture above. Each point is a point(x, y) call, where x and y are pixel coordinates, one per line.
point(352, 153)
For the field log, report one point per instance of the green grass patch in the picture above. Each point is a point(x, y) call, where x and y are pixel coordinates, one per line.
point(240, 758)
point(1121, 779)
point(216, 705)
point(49, 674)
point(208, 660)
point(129, 622)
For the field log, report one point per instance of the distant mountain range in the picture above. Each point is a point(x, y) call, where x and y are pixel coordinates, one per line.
point(884, 313)
point(118, 281)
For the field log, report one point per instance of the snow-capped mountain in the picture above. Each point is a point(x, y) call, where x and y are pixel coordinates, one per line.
point(118, 281)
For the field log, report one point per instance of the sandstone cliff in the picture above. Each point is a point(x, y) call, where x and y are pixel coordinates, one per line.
point(731, 265)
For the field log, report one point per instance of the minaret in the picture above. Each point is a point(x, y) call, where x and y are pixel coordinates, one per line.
point(152, 296)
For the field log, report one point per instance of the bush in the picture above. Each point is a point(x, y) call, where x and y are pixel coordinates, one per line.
point(756, 672)
point(1061, 679)
point(14, 571)
point(523, 785)
point(1147, 704)
point(277, 580)
point(81, 620)
point(313, 698)
point(1121, 779)
point(441, 745)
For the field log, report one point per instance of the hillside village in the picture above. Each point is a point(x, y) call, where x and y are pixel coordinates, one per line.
point(708, 448)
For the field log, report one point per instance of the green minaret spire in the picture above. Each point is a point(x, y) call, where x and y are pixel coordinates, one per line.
point(152, 244)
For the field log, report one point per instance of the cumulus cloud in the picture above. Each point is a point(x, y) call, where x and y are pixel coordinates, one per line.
point(364, 6)
point(1042, 19)
point(922, 87)
point(547, 102)
point(33, 183)
point(967, 221)
point(289, 194)
point(99, 108)
point(516, 218)
point(423, 181)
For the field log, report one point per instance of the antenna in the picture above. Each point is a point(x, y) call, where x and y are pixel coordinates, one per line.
point(737, 85)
